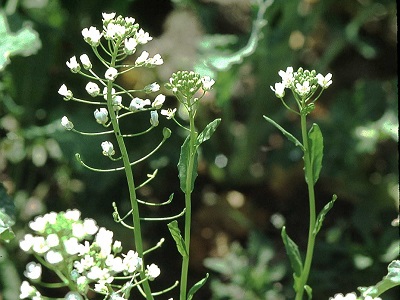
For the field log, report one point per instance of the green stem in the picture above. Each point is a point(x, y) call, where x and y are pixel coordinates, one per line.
point(130, 180)
point(188, 206)
point(311, 198)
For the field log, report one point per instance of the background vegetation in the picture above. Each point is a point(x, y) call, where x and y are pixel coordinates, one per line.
point(250, 179)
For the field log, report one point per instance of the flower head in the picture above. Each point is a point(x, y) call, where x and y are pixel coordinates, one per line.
point(33, 271)
point(85, 61)
point(326, 81)
point(158, 101)
point(287, 77)
point(153, 271)
point(279, 89)
point(207, 82)
point(64, 91)
point(67, 124)
point(92, 89)
point(73, 65)
point(138, 104)
point(303, 89)
point(108, 17)
point(111, 74)
point(101, 115)
point(108, 150)
point(130, 46)
point(142, 37)
point(169, 113)
point(92, 36)
point(151, 88)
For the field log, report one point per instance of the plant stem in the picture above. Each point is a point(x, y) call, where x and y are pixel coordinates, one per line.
point(130, 180)
point(311, 198)
point(188, 206)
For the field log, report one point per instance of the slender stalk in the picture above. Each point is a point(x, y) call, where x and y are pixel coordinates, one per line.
point(129, 177)
point(188, 206)
point(311, 198)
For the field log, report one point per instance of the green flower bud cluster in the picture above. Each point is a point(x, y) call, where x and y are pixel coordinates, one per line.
point(186, 83)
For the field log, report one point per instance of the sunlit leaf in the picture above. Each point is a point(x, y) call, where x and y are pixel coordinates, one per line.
point(207, 132)
point(183, 166)
point(316, 144)
point(293, 252)
point(196, 287)
point(322, 214)
point(176, 235)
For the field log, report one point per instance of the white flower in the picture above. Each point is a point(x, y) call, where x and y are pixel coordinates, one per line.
point(138, 104)
point(130, 46)
point(132, 262)
point(71, 246)
point(52, 240)
point(303, 89)
point(349, 296)
point(33, 271)
point(85, 61)
point(73, 65)
point(143, 37)
point(117, 102)
point(105, 93)
point(66, 123)
point(153, 271)
point(108, 148)
point(51, 217)
point(90, 226)
point(72, 214)
point(111, 74)
point(279, 89)
point(142, 58)
point(53, 257)
point(73, 296)
point(64, 91)
point(101, 115)
point(92, 36)
point(114, 30)
point(156, 60)
point(27, 243)
point(158, 101)
point(115, 264)
point(130, 20)
point(169, 113)
point(326, 81)
point(92, 89)
point(208, 82)
point(104, 237)
point(153, 87)
point(101, 288)
point(108, 17)
point(27, 291)
point(370, 298)
point(287, 77)
point(84, 264)
point(117, 247)
point(154, 118)
point(38, 224)
point(39, 245)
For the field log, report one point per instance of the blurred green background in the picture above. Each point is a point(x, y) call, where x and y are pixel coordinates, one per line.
point(250, 178)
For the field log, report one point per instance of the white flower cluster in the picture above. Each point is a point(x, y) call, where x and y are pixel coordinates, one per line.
point(302, 82)
point(351, 296)
point(63, 240)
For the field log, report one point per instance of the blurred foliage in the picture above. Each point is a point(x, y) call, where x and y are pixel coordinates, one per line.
point(247, 172)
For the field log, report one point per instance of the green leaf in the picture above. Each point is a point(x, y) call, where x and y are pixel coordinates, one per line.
point(183, 165)
point(196, 287)
point(322, 214)
point(24, 42)
point(176, 235)
point(207, 132)
point(316, 144)
point(292, 251)
point(285, 133)
point(7, 215)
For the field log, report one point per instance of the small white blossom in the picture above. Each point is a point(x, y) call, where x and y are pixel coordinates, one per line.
point(73, 296)
point(156, 60)
point(100, 288)
point(117, 247)
point(27, 243)
point(303, 89)
point(92, 36)
point(33, 271)
point(114, 30)
point(105, 93)
point(52, 240)
point(287, 77)
point(153, 271)
point(142, 58)
point(27, 291)
point(53, 257)
point(66, 123)
point(117, 102)
point(64, 91)
point(130, 46)
point(71, 246)
point(72, 214)
point(73, 65)
point(78, 231)
point(169, 113)
point(85, 61)
point(153, 87)
point(130, 20)
point(101, 115)
point(92, 89)
point(326, 81)
point(108, 17)
point(158, 101)
point(39, 245)
point(143, 37)
point(108, 149)
point(84, 264)
point(349, 296)
point(279, 89)
point(111, 74)
point(115, 263)
point(38, 224)
point(370, 298)
point(207, 82)
point(138, 104)
point(132, 262)
point(84, 248)
point(154, 118)
point(90, 226)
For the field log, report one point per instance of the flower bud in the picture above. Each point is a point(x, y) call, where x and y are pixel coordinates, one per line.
point(111, 74)
point(67, 124)
point(73, 65)
point(92, 89)
point(85, 61)
point(158, 101)
point(154, 118)
point(108, 148)
point(64, 91)
point(101, 115)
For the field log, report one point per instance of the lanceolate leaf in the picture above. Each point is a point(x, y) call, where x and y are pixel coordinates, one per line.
point(322, 214)
point(316, 144)
point(183, 165)
point(285, 133)
point(207, 132)
point(293, 252)
point(196, 287)
point(176, 235)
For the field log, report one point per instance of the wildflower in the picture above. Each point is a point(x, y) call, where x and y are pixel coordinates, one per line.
point(27, 243)
point(279, 89)
point(27, 291)
point(287, 77)
point(101, 115)
point(111, 74)
point(117, 247)
point(72, 214)
point(64, 91)
point(156, 60)
point(158, 101)
point(153, 271)
point(114, 30)
point(132, 261)
point(326, 81)
point(153, 87)
point(91, 36)
point(92, 89)
point(85, 61)
point(105, 92)
point(90, 226)
point(142, 58)
point(208, 82)
point(71, 245)
point(130, 46)
point(143, 37)
point(303, 89)
point(138, 104)
point(130, 20)
point(117, 102)
point(33, 271)
point(39, 245)
point(84, 264)
point(52, 240)
point(73, 296)
point(73, 65)
point(154, 118)
point(38, 224)
point(66, 123)
point(349, 296)
point(53, 257)
point(100, 288)
point(108, 17)
point(108, 148)
point(169, 113)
